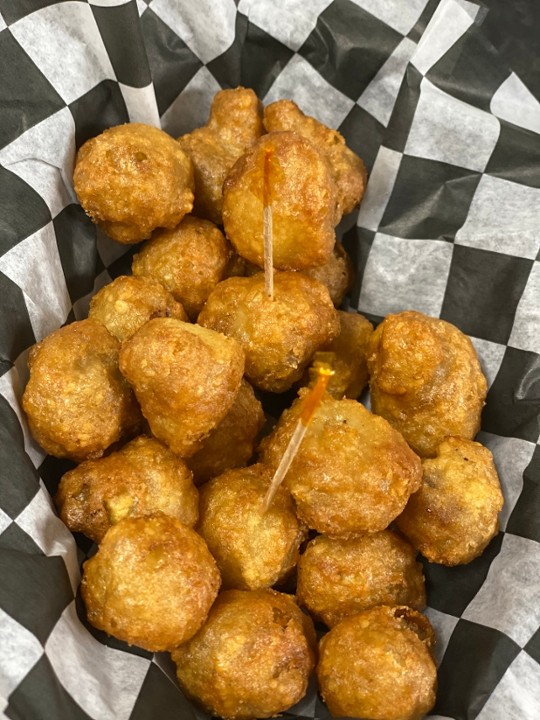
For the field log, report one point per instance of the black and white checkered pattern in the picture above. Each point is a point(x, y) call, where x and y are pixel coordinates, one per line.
point(441, 99)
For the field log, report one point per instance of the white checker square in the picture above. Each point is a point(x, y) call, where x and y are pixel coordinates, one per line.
point(399, 15)
point(398, 272)
point(108, 3)
point(299, 81)
point(511, 456)
point(289, 21)
point(514, 103)
point(141, 104)
point(526, 329)
point(142, 7)
point(91, 672)
point(451, 131)
point(380, 186)
point(508, 599)
point(207, 27)
point(5, 521)
point(3, 25)
point(504, 217)
point(43, 157)
point(491, 356)
point(517, 695)
point(67, 30)
point(34, 265)
point(191, 108)
point(380, 95)
point(443, 625)
point(20, 652)
point(448, 24)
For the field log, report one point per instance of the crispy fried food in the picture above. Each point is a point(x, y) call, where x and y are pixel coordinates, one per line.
point(234, 125)
point(185, 378)
point(302, 197)
point(142, 478)
point(378, 665)
point(132, 179)
point(253, 549)
point(353, 472)
point(188, 260)
point(279, 336)
point(252, 658)
point(124, 305)
point(337, 274)
point(76, 400)
point(425, 380)
point(348, 170)
point(454, 515)
point(232, 443)
point(348, 356)
point(151, 583)
point(338, 578)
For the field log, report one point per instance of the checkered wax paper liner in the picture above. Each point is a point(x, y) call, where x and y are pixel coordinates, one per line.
point(441, 100)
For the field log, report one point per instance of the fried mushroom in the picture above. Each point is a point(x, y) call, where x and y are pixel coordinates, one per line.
point(337, 274)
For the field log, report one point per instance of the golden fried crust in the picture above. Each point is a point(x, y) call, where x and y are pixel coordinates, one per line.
point(142, 478)
point(454, 515)
point(279, 336)
point(348, 170)
point(151, 583)
point(124, 305)
point(133, 178)
point(353, 472)
point(76, 400)
point(185, 378)
point(425, 379)
point(302, 197)
point(338, 578)
point(253, 549)
point(378, 665)
point(337, 274)
point(188, 260)
point(232, 443)
point(252, 658)
point(234, 125)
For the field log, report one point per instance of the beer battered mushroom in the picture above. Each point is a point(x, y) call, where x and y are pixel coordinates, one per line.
point(337, 274)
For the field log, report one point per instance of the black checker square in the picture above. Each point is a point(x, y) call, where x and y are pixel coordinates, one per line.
point(358, 242)
point(416, 32)
point(20, 78)
point(121, 33)
point(254, 59)
point(430, 199)
point(16, 333)
point(475, 660)
point(525, 517)
point(513, 405)
point(52, 469)
point(22, 210)
point(35, 590)
point(15, 538)
point(348, 46)
point(40, 696)
point(516, 156)
point(533, 646)
point(363, 134)
point(451, 589)
point(172, 63)
point(402, 116)
point(160, 698)
point(471, 70)
point(483, 291)
point(100, 108)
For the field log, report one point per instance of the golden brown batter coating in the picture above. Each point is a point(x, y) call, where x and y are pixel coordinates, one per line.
point(454, 515)
point(232, 443)
point(185, 377)
point(378, 665)
point(253, 549)
point(125, 304)
point(132, 179)
point(353, 472)
point(279, 336)
point(338, 578)
point(348, 170)
point(151, 583)
point(302, 197)
point(425, 380)
point(234, 125)
point(142, 478)
point(76, 400)
point(252, 658)
point(337, 274)
point(188, 260)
